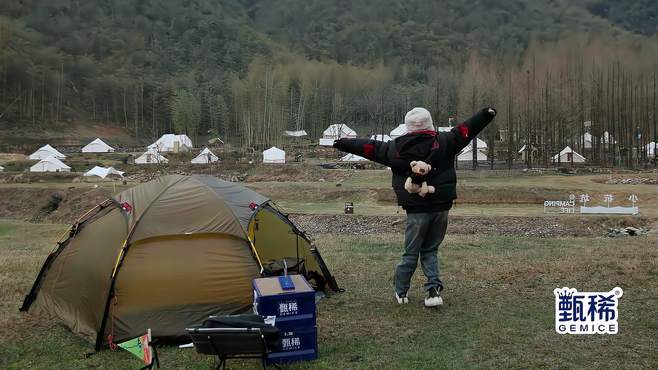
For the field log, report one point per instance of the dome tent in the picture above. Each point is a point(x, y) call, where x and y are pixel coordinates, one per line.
point(165, 255)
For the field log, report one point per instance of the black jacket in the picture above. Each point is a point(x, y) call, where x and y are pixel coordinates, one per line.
point(437, 148)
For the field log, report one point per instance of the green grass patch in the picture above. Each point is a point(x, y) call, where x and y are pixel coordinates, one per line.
point(498, 310)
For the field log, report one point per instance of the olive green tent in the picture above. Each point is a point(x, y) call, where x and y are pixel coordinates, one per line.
point(165, 255)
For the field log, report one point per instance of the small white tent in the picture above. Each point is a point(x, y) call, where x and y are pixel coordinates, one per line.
point(97, 146)
point(274, 155)
point(103, 172)
point(50, 164)
point(298, 133)
point(2, 168)
point(150, 156)
point(398, 131)
point(206, 156)
point(352, 158)
point(380, 137)
point(172, 143)
point(335, 132)
point(566, 156)
point(45, 152)
point(467, 154)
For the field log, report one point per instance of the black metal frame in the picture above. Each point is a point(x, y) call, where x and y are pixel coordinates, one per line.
point(213, 334)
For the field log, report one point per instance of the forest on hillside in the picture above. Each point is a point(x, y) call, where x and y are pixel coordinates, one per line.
point(246, 70)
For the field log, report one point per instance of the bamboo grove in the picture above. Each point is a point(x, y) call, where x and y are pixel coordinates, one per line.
point(554, 95)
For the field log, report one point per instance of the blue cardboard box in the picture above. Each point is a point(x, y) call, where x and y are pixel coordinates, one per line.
point(294, 308)
point(296, 345)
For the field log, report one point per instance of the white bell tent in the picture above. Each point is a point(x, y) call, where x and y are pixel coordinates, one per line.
point(567, 155)
point(335, 132)
point(151, 156)
point(45, 152)
point(206, 156)
point(103, 172)
point(274, 155)
point(467, 154)
point(50, 164)
point(172, 143)
point(97, 146)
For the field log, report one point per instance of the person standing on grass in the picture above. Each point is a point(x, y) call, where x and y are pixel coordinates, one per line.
point(427, 217)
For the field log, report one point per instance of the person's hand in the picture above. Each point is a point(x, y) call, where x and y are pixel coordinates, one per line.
point(491, 111)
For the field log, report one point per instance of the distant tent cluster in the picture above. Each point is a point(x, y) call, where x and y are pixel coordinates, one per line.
point(49, 160)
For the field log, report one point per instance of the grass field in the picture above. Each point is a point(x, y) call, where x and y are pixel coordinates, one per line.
point(498, 312)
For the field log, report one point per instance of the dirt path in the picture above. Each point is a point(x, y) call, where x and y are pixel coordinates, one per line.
point(547, 226)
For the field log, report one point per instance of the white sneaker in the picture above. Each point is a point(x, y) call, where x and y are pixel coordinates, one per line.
point(402, 298)
point(433, 298)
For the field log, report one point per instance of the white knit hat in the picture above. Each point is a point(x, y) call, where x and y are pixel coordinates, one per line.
point(418, 119)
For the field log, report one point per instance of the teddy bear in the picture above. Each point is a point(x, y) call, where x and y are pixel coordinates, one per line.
point(416, 182)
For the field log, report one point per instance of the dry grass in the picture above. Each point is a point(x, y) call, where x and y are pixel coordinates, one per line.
point(498, 311)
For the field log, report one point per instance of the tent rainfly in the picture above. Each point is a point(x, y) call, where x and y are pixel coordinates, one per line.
point(467, 154)
point(193, 243)
point(45, 152)
point(103, 172)
point(352, 158)
point(274, 155)
point(50, 164)
point(172, 143)
point(97, 146)
point(151, 156)
point(298, 133)
point(566, 156)
point(385, 138)
point(206, 156)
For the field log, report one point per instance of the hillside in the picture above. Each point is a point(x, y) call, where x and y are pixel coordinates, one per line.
point(192, 66)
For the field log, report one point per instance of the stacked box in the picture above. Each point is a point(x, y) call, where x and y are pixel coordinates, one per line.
point(295, 313)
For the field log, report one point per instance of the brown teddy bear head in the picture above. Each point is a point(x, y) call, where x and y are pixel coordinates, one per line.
point(420, 167)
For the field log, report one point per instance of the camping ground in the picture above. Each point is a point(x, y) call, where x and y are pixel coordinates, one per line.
point(500, 263)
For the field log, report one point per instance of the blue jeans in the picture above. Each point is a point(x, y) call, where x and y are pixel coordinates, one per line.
point(423, 234)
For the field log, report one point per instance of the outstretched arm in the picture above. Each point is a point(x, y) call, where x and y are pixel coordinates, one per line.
point(463, 133)
point(374, 150)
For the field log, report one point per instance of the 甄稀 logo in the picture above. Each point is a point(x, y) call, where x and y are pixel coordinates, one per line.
point(586, 312)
